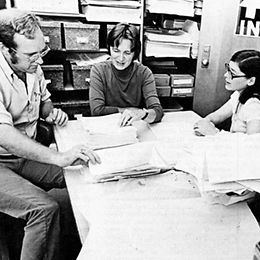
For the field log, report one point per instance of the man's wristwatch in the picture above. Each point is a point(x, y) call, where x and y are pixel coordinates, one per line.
point(146, 114)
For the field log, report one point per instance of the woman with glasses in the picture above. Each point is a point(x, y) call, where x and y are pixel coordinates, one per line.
point(121, 84)
point(243, 77)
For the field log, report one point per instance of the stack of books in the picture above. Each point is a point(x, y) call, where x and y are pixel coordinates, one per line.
point(112, 10)
point(178, 7)
point(167, 44)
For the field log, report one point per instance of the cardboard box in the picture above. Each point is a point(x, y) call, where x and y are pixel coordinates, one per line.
point(52, 34)
point(181, 80)
point(54, 74)
point(81, 76)
point(162, 79)
point(163, 91)
point(79, 36)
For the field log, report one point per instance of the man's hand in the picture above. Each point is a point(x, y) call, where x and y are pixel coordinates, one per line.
point(57, 116)
point(205, 127)
point(79, 154)
point(130, 115)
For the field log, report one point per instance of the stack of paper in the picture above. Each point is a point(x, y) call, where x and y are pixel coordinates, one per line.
point(179, 7)
point(112, 10)
point(161, 44)
point(104, 131)
point(96, 132)
point(140, 159)
point(227, 164)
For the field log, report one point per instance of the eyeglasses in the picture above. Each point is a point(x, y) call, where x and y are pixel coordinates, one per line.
point(231, 74)
point(36, 56)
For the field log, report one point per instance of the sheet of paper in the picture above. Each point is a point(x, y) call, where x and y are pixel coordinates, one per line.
point(232, 157)
point(104, 124)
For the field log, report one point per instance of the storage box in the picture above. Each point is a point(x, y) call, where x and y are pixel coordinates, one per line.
point(54, 74)
point(181, 80)
point(163, 91)
point(182, 92)
point(52, 6)
point(79, 36)
point(81, 76)
point(52, 34)
point(162, 79)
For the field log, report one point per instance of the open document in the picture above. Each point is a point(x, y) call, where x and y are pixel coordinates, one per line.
point(140, 159)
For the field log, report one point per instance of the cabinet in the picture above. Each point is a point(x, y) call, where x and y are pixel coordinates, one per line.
point(170, 37)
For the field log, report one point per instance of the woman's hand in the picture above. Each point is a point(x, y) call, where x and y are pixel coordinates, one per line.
point(58, 117)
point(129, 115)
point(205, 127)
point(79, 154)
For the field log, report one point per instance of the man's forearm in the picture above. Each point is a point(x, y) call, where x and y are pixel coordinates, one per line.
point(46, 108)
point(21, 145)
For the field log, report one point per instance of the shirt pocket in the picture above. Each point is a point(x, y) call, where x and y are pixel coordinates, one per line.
point(34, 106)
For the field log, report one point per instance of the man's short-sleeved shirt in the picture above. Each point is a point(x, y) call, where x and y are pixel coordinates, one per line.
point(20, 102)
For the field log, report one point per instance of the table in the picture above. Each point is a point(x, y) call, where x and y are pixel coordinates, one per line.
point(160, 217)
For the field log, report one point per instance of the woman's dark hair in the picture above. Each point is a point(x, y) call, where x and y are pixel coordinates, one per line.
point(125, 31)
point(249, 63)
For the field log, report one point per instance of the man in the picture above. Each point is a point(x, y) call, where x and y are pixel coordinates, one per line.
point(27, 168)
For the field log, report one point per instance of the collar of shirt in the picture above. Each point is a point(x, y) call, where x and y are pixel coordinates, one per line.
point(5, 67)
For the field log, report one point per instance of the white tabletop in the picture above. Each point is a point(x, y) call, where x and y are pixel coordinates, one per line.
point(159, 217)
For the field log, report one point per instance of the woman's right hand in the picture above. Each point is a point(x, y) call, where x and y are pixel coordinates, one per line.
point(205, 127)
point(79, 154)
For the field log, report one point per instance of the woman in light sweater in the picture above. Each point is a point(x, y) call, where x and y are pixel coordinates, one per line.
point(243, 77)
point(122, 84)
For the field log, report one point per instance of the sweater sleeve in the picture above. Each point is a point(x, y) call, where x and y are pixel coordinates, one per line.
point(150, 94)
point(97, 94)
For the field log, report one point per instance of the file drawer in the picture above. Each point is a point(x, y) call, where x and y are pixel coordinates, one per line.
point(79, 36)
point(163, 91)
point(54, 74)
point(52, 34)
point(81, 76)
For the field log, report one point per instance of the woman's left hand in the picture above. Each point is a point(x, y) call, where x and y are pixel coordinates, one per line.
point(130, 115)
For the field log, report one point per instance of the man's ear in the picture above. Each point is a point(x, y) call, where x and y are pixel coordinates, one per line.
point(251, 81)
point(3, 48)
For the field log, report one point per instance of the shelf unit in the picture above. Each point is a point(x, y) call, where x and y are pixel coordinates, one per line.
point(70, 88)
point(169, 95)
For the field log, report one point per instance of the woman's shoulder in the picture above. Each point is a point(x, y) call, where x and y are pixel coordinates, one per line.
point(101, 66)
point(142, 68)
point(253, 101)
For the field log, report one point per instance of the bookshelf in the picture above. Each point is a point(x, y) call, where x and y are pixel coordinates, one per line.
point(176, 56)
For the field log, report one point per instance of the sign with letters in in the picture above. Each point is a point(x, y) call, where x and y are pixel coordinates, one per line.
point(248, 22)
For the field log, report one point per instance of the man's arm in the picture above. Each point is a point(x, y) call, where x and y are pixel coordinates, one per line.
point(21, 145)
